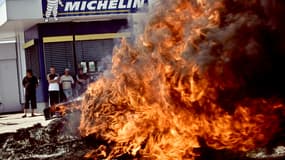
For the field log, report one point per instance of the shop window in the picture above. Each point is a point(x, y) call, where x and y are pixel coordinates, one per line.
point(93, 51)
point(83, 65)
point(92, 66)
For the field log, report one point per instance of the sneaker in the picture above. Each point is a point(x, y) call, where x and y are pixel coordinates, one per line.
point(24, 116)
point(55, 18)
point(46, 19)
point(33, 115)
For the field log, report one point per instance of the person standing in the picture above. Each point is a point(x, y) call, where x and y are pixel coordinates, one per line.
point(53, 90)
point(67, 82)
point(82, 80)
point(53, 87)
point(30, 83)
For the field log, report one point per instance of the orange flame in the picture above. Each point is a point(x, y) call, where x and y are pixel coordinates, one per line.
point(61, 109)
point(179, 82)
point(67, 107)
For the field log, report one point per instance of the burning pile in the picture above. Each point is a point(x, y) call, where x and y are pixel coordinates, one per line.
point(201, 69)
point(58, 141)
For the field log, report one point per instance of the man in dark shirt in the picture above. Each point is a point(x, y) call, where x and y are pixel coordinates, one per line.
point(30, 84)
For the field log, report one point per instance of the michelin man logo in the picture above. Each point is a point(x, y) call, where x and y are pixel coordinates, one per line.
point(52, 7)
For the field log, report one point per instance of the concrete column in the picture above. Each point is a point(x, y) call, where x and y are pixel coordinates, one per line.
point(21, 62)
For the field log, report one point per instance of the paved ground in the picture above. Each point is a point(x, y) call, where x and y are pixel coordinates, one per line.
point(12, 122)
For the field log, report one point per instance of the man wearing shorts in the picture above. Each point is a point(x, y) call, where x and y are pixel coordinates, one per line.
point(30, 84)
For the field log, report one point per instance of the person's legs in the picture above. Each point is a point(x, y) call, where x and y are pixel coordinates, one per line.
point(27, 99)
point(50, 98)
point(33, 103)
point(68, 93)
point(81, 91)
point(53, 97)
point(57, 98)
point(77, 90)
point(47, 111)
point(65, 94)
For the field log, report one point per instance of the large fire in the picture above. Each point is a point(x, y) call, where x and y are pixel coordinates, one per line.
point(187, 77)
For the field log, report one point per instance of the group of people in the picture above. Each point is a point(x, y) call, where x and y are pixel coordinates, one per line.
point(56, 84)
point(66, 83)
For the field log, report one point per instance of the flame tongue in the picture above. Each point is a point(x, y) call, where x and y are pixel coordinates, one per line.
point(184, 78)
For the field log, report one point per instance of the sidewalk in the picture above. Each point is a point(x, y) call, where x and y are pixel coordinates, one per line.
point(12, 122)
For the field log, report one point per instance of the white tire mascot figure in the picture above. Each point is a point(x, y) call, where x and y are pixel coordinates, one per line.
point(52, 6)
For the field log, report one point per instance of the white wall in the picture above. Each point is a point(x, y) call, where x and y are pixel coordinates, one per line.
point(24, 9)
point(9, 86)
point(7, 51)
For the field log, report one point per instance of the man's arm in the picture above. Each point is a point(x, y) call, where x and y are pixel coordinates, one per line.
point(24, 82)
point(79, 79)
point(60, 81)
point(36, 81)
point(72, 80)
point(52, 81)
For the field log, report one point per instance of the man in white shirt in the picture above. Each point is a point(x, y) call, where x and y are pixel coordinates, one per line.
point(53, 87)
point(67, 82)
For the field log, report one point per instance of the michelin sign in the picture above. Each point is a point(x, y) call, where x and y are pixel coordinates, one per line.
point(61, 8)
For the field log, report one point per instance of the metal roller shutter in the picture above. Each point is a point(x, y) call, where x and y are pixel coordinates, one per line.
point(32, 60)
point(59, 55)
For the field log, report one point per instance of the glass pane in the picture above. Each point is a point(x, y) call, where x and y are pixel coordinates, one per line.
point(92, 67)
point(83, 66)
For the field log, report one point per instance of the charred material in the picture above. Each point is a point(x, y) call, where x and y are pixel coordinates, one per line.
point(59, 140)
point(204, 80)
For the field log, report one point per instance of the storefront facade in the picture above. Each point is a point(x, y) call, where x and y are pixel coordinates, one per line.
point(81, 42)
point(67, 34)
point(70, 45)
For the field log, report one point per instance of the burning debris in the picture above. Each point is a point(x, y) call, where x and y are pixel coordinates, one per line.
point(59, 140)
point(201, 69)
point(202, 80)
